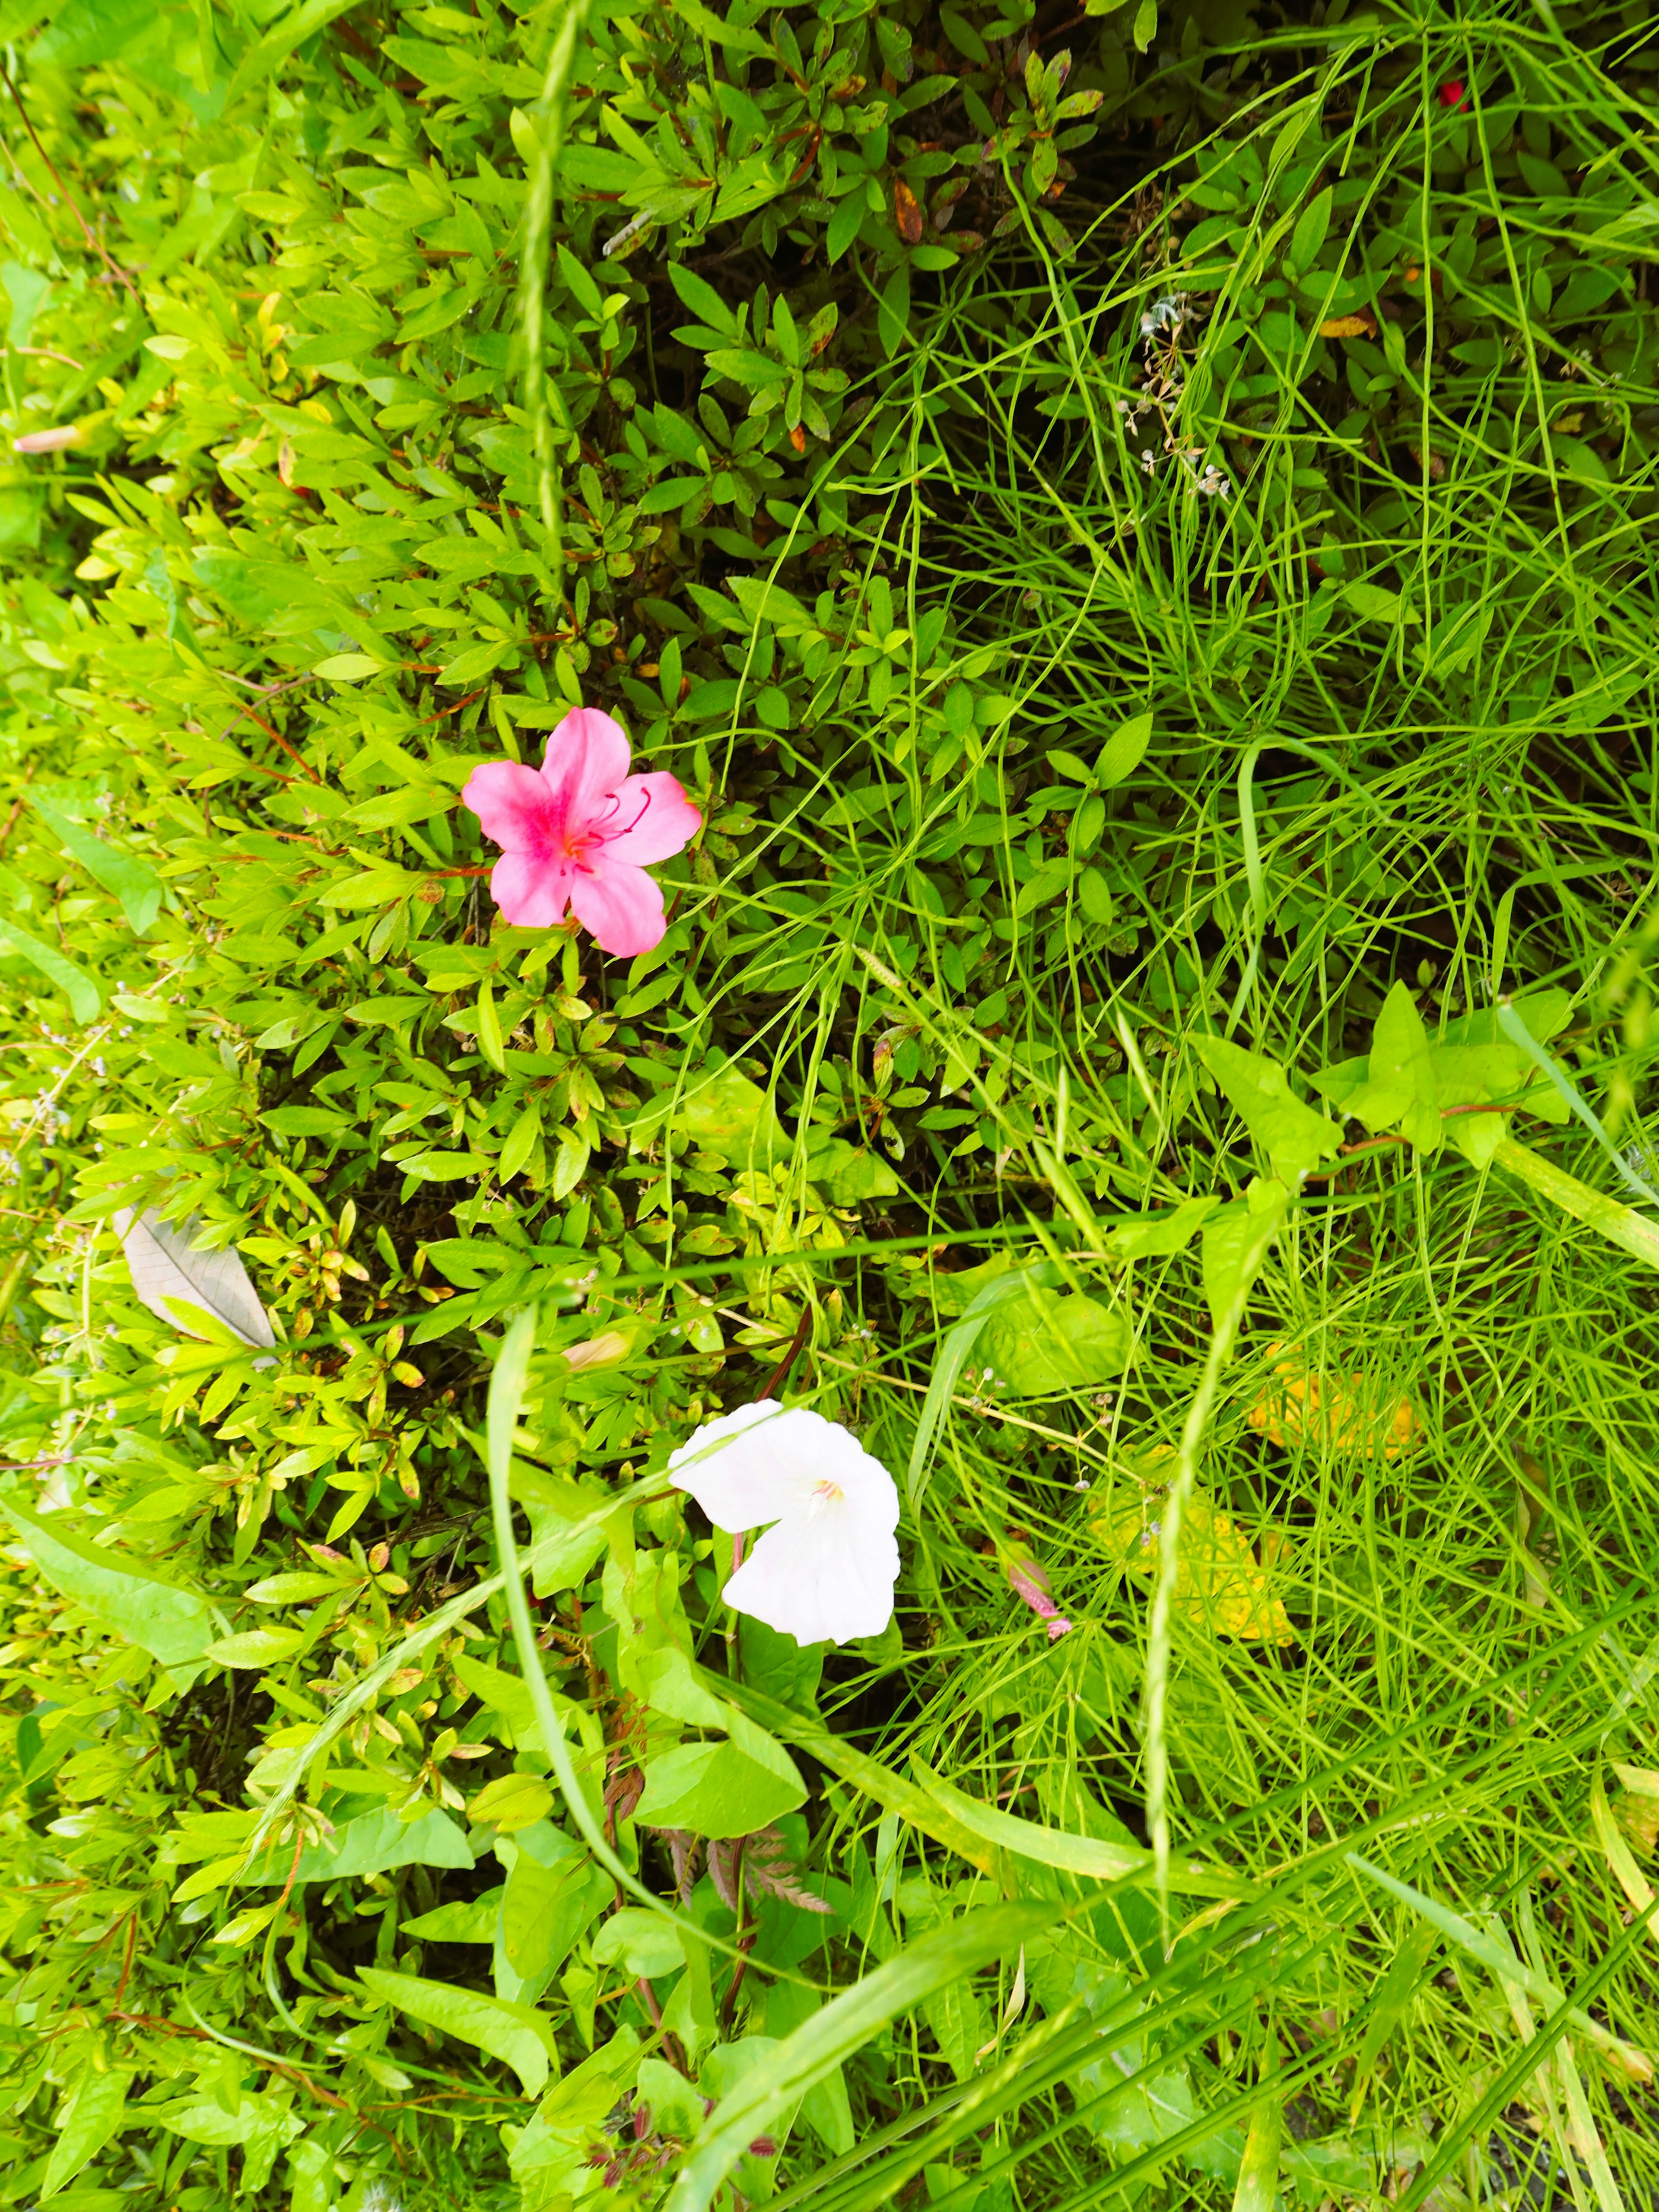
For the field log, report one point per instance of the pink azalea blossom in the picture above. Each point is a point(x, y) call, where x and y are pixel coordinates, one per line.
point(1032, 1584)
point(578, 833)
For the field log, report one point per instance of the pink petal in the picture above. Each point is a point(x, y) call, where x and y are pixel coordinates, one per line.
point(585, 762)
point(621, 905)
point(513, 805)
point(655, 820)
point(531, 889)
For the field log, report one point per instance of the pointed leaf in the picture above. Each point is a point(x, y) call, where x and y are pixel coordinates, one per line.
point(174, 1624)
point(1295, 1138)
point(165, 1268)
point(786, 2073)
point(515, 2033)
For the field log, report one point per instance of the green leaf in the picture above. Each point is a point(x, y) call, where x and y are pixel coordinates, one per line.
point(723, 1112)
point(848, 1174)
point(718, 1789)
point(1122, 752)
point(1400, 1090)
point(133, 1601)
point(515, 2033)
point(1038, 1342)
point(550, 1900)
point(1235, 1241)
point(133, 881)
point(1311, 226)
point(93, 2111)
point(374, 1843)
point(85, 1000)
point(1157, 1235)
point(642, 1943)
point(784, 2076)
point(1294, 1138)
point(953, 1357)
point(1372, 602)
point(258, 1647)
point(1146, 25)
point(475, 1920)
point(1091, 1855)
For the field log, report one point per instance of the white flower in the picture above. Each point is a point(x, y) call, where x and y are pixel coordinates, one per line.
point(824, 1570)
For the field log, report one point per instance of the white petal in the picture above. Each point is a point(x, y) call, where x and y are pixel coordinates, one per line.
point(760, 1463)
point(822, 1579)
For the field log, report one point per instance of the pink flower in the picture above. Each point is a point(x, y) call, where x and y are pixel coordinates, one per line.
point(1032, 1584)
point(578, 832)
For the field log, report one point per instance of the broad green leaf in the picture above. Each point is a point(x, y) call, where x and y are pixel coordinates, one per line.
point(842, 2027)
point(83, 992)
point(133, 881)
point(1038, 1342)
point(549, 1899)
point(722, 1112)
point(642, 1943)
point(515, 2033)
point(129, 1597)
point(374, 1843)
point(1294, 1138)
point(849, 1173)
point(1311, 226)
point(717, 1790)
point(93, 2111)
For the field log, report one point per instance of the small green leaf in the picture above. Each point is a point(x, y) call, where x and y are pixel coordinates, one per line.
point(258, 1647)
point(1146, 26)
point(1122, 752)
point(643, 1942)
point(1308, 236)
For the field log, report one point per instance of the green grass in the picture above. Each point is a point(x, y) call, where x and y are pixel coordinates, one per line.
point(963, 906)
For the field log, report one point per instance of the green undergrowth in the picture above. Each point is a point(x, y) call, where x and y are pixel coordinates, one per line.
point(1136, 530)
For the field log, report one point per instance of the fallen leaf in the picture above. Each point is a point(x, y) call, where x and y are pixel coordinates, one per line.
point(1360, 325)
point(1220, 1583)
point(166, 1272)
point(1340, 1411)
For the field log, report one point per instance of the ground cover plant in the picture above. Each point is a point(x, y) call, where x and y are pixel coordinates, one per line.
point(1131, 530)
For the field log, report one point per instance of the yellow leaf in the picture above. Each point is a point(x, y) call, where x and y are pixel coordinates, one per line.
point(1220, 1583)
point(1340, 1411)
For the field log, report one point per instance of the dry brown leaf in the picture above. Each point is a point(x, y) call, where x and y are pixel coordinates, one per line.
point(1360, 325)
point(907, 212)
point(1339, 1412)
point(1220, 1583)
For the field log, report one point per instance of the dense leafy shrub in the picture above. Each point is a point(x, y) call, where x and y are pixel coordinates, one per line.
point(1142, 552)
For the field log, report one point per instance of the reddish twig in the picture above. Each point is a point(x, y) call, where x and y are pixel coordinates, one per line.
point(73, 204)
point(276, 737)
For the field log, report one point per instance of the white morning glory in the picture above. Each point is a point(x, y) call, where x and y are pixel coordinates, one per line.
point(824, 1572)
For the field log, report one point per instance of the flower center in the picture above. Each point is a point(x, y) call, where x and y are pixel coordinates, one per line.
point(824, 1495)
